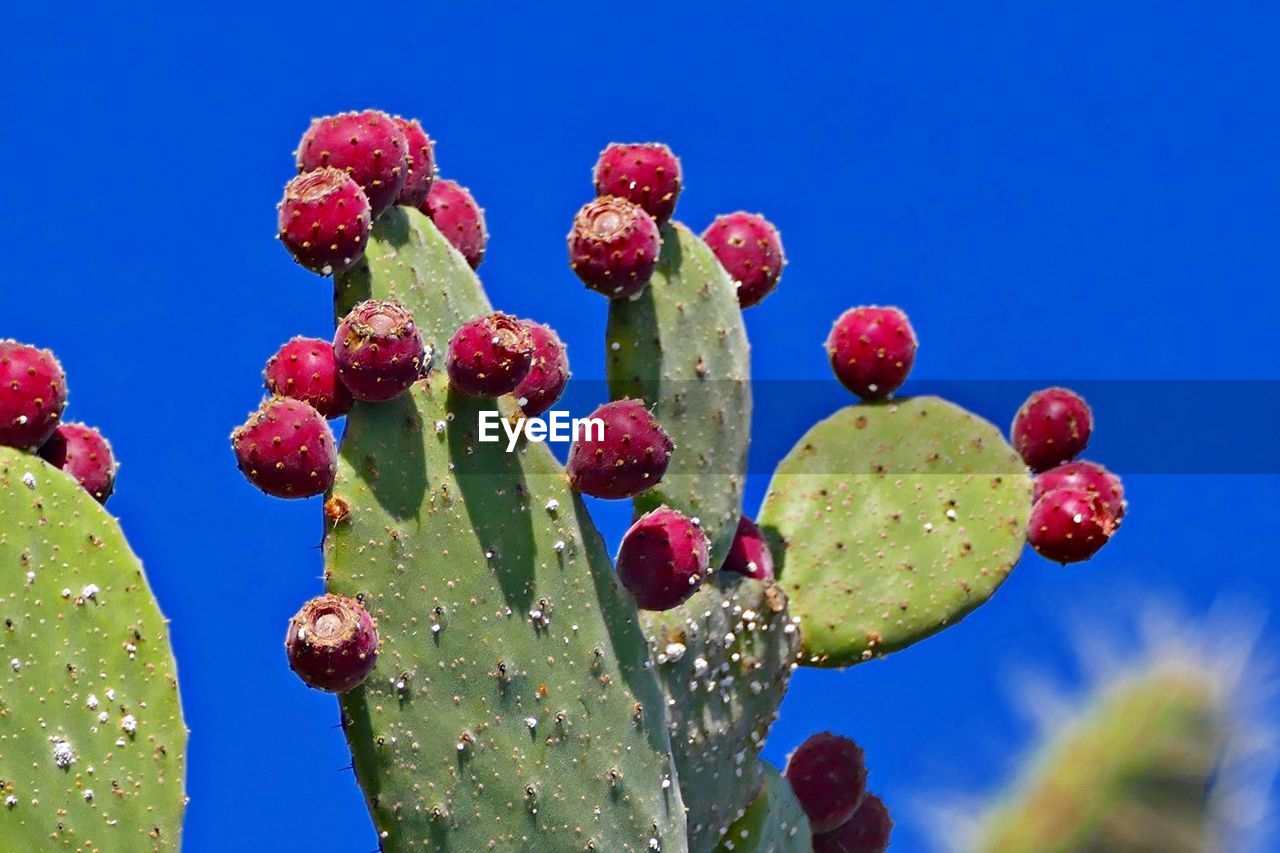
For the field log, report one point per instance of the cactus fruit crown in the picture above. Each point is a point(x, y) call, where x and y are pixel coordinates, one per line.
point(508, 686)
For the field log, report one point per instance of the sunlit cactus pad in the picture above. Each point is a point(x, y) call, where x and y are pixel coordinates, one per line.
point(891, 521)
point(773, 823)
point(725, 658)
point(682, 348)
point(92, 741)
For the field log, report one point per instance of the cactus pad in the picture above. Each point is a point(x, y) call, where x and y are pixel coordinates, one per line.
point(513, 704)
point(891, 521)
point(1136, 773)
point(773, 823)
point(725, 658)
point(682, 348)
point(92, 741)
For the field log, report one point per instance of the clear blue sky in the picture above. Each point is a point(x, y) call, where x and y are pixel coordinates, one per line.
point(1084, 193)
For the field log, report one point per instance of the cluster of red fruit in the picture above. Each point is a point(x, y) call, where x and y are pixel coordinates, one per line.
point(828, 775)
point(355, 166)
point(33, 396)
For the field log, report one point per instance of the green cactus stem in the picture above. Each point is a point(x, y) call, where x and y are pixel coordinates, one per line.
point(773, 823)
point(892, 521)
point(92, 740)
point(513, 704)
point(682, 348)
point(725, 658)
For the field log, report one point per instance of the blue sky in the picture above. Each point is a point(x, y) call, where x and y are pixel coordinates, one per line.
point(1086, 193)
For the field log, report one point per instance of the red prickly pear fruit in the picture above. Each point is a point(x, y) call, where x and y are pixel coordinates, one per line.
point(548, 371)
point(332, 643)
point(83, 453)
point(286, 449)
point(1069, 525)
point(828, 775)
point(614, 247)
point(306, 369)
point(629, 456)
point(368, 146)
point(459, 219)
point(421, 172)
point(867, 831)
point(1089, 476)
point(33, 393)
point(872, 350)
point(378, 350)
point(662, 559)
point(489, 356)
point(324, 221)
point(749, 552)
point(647, 174)
point(750, 249)
point(1052, 427)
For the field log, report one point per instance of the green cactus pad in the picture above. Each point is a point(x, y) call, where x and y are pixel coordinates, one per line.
point(682, 348)
point(92, 741)
point(1136, 773)
point(774, 822)
point(724, 658)
point(891, 521)
point(513, 705)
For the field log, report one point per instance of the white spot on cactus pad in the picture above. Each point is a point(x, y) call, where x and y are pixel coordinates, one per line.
point(63, 755)
point(129, 724)
point(29, 480)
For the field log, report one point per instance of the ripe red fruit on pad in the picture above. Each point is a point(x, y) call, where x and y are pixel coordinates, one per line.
point(305, 369)
point(1069, 525)
point(286, 449)
point(750, 249)
point(324, 221)
point(378, 350)
point(614, 247)
point(548, 371)
point(663, 559)
point(647, 174)
point(872, 350)
point(83, 453)
point(421, 160)
point(33, 394)
point(368, 146)
point(1052, 427)
point(459, 219)
point(749, 552)
point(332, 643)
point(489, 355)
point(1089, 476)
point(629, 458)
point(829, 777)
point(867, 831)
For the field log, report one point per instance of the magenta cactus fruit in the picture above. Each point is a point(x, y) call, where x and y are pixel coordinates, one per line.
point(286, 449)
point(614, 247)
point(647, 174)
point(872, 350)
point(1052, 427)
point(828, 775)
point(306, 369)
point(368, 146)
point(749, 552)
point(867, 831)
point(1088, 476)
point(750, 249)
point(662, 559)
point(548, 371)
point(459, 219)
point(33, 394)
point(324, 221)
point(1069, 525)
point(489, 356)
point(378, 350)
point(332, 643)
point(629, 456)
point(83, 453)
point(421, 163)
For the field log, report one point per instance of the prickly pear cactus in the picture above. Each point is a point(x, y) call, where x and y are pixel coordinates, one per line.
point(1136, 773)
point(513, 705)
point(92, 741)
point(725, 658)
point(773, 823)
point(891, 521)
point(681, 347)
